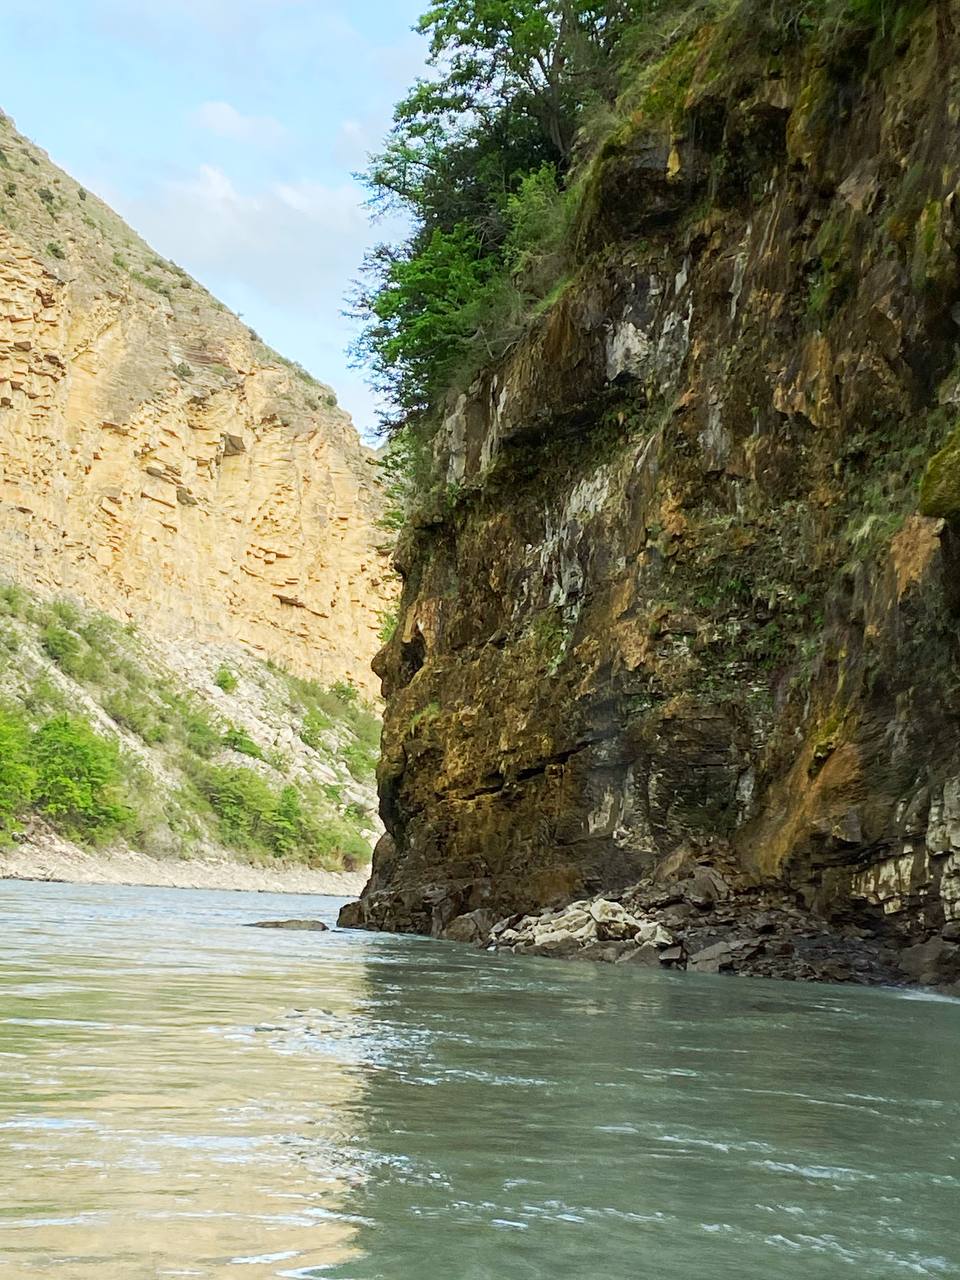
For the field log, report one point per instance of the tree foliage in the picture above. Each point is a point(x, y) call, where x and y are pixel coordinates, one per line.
point(78, 779)
point(17, 775)
point(477, 158)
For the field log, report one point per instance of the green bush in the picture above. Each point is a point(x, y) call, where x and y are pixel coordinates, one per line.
point(137, 714)
point(63, 647)
point(193, 725)
point(239, 740)
point(225, 680)
point(315, 725)
point(14, 601)
point(256, 819)
point(345, 692)
point(55, 250)
point(245, 805)
point(360, 760)
point(17, 775)
point(72, 655)
point(78, 779)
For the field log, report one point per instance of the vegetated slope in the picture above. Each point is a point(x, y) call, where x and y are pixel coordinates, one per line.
point(159, 461)
point(110, 737)
point(681, 580)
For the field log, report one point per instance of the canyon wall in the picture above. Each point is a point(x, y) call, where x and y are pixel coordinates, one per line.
point(679, 597)
point(157, 460)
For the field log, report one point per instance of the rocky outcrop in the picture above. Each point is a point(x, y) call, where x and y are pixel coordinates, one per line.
point(700, 923)
point(160, 462)
point(681, 600)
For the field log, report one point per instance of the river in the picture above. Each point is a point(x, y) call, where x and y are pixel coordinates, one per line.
point(181, 1096)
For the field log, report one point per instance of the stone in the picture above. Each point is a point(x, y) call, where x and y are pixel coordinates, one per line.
point(932, 963)
point(607, 952)
point(712, 959)
point(647, 955)
point(951, 931)
point(652, 931)
point(472, 927)
point(301, 926)
point(613, 920)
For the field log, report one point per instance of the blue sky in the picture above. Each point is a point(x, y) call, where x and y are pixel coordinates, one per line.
point(226, 132)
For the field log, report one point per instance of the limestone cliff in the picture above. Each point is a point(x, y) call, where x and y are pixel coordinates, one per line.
point(681, 602)
point(156, 459)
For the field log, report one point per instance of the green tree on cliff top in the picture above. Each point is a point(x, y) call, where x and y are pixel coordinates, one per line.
point(510, 81)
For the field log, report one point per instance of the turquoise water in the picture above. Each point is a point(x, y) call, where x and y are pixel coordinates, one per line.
point(181, 1096)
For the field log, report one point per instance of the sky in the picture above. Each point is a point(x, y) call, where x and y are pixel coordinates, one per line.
point(227, 133)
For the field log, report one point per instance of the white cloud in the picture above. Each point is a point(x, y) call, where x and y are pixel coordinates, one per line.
point(295, 244)
point(227, 122)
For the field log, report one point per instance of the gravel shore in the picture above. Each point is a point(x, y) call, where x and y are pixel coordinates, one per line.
point(52, 859)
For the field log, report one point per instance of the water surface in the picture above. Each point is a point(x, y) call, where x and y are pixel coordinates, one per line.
point(182, 1096)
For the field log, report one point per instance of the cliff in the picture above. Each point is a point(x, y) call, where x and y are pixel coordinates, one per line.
point(157, 460)
point(680, 600)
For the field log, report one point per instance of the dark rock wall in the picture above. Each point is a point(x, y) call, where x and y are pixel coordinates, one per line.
point(679, 599)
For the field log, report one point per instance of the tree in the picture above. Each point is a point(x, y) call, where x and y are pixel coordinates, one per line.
point(545, 56)
point(17, 776)
point(78, 779)
point(477, 158)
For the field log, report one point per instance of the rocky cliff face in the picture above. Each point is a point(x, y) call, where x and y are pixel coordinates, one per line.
point(682, 603)
point(156, 459)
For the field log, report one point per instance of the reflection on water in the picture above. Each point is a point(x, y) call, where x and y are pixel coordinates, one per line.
point(181, 1096)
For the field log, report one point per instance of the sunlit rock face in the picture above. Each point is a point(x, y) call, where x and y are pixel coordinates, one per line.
point(158, 460)
point(683, 605)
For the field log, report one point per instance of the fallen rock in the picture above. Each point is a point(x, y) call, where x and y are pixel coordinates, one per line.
point(712, 959)
point(473, 927)
point(613, 919)
point(931, 963)
point(303, 926)
point(651, 931)
point(647, 954)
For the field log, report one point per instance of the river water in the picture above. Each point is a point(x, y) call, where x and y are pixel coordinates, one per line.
point(183, 1096)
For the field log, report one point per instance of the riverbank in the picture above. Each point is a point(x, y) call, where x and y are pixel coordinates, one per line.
point(57, 860)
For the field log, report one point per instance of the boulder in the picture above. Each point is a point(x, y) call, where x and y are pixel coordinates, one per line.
point(712, 959)
point(613, 919)
point(473, 927)
point(932, 963)
point(652, 931)
point(647, 955)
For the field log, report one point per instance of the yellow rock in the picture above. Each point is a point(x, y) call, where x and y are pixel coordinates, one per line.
point(159, 461)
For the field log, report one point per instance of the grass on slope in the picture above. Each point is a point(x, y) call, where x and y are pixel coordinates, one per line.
point(104, 742)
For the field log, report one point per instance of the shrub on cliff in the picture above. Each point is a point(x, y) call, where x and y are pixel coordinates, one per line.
point(260, 820)
point(17, 775)
point(225, 680)
point(78, 779)
point(476, 157)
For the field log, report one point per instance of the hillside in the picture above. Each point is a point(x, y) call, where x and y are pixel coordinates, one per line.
point(157, 460)
point(114, 739)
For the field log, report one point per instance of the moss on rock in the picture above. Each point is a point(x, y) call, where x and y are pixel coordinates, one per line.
point(940, 487)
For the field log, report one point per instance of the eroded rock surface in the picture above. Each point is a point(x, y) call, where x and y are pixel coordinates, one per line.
point(681, 599)
point(159, 461)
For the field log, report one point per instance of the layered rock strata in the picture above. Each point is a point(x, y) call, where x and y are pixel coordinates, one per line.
point(157, 460)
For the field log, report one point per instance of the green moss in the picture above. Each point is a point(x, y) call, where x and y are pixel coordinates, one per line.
point(665, 96)
point(940, 486)
point(426, 715)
